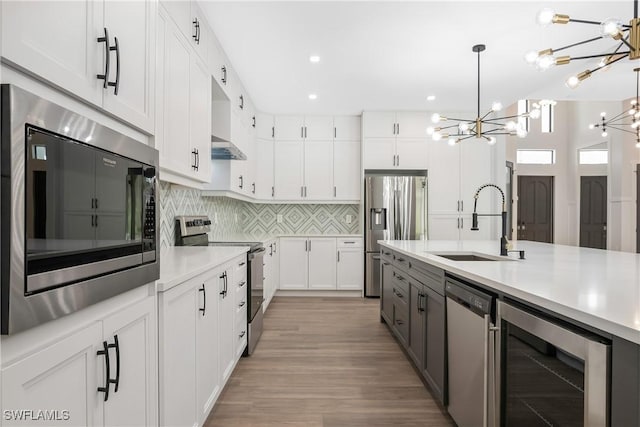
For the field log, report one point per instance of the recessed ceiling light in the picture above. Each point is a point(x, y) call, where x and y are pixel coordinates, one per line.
point(314, 59)
point(431, 98)
point(313, 96)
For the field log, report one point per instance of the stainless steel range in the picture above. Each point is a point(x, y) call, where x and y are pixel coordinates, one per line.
point(192, 231)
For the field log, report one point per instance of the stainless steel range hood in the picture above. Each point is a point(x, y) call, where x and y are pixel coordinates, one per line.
point(221, 149)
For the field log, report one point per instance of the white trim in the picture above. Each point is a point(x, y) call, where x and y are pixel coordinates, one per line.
point(318, 293)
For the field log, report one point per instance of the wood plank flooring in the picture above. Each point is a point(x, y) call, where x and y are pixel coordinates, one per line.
point(326, 362)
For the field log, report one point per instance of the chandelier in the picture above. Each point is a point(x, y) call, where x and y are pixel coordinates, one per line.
point(628, 36)
point(628, 118)
point(481, 127)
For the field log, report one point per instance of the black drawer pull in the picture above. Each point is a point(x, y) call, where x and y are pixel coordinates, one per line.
point(105, 76)
point(242, 334)
point(241, 304)
point(204, 305)
point(105, 352)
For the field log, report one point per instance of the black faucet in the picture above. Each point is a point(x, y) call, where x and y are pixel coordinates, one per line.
point(504, 243)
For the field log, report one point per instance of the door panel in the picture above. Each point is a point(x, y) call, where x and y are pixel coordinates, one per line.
point(412, 124)
point(264, 169)
point(319, 127)
point(294, 259)
point(535, 208)
point(322, 263)
point(379, 124)
point(416, 329)
point(593, 212)
point(444, 178)
point(347, 128)
point(288, 173)
point(346, 170)
point(379, 153)
point(349, 269)
point(412, 153)
point(200, 117)
point(289, 127)
point(318, 170)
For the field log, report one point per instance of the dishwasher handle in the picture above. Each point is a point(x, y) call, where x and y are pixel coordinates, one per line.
point(489, 371)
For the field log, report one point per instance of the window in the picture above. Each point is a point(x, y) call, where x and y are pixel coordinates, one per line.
point(536, 157)
point(546, 116)
point(593, 157)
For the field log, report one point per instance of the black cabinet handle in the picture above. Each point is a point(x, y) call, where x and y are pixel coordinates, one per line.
point(241, 182)
point(105, 352)
point(400, 322)
point(241, 102)
point(241, 264)
point(105, 76)
point(253, 121)
point(196, 27)
point(224, 286)
point(116, 84)
point(253, 188)
point(271, 249)
point(273, 131)
point(241, 304)
point(116, 346)
point(224, 75)
point(96, 221)
point(197, 159)
point(203, 310)
point(193, 166)
point(241, 284)
point(242, 334)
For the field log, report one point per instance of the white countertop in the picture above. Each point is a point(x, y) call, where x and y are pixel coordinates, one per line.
point(267, 237)
point(595, 287)
point(181, 263)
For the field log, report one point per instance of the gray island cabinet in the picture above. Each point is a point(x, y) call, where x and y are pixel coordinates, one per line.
point(593, 291)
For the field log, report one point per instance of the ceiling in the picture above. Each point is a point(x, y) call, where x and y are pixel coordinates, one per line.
point(392, 55)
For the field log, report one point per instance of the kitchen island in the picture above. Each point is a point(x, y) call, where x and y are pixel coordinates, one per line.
point(596, 291)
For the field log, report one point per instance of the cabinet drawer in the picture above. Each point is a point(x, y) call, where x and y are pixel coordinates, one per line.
point(401, 284)
point(240, 270)
point(428, 275)
point(349, 243)
point(401, 262)
point(386, 254)
point(401, 321)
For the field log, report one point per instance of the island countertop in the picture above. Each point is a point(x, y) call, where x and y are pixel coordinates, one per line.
point(596, 287)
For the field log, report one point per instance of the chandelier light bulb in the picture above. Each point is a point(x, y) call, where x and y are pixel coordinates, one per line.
point(544, 62)
point(492, 140)
point(535, 113)
point(521, 133)
point(437, 136)
point(604, 134)
point(463, 126)
point(611, 28)
point(632, 111)
point(635, 125)
point(435, 118)
point(572, 82)
point(592, 126)
point(636, 116)
point(430, 130)
point(638, 144)
point(452, 141)
point(603, 114)
point(545, 17)
point(496, 106)
point(634, 101)
point(510, 126)
point(530, 57)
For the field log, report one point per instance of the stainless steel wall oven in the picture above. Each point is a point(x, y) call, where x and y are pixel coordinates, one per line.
point(78, 206)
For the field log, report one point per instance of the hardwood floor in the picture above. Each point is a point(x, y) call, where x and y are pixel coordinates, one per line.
point(326, 362)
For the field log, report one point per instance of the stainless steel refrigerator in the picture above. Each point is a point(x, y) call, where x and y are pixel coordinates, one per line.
point(395, 209)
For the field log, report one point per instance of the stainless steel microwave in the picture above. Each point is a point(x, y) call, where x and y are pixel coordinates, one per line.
point(78, 211)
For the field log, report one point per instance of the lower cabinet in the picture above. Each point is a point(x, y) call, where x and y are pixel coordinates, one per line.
point(271, 272)
point(198, 345)
point(107, 372)
point(413, 305)
point(349, 270)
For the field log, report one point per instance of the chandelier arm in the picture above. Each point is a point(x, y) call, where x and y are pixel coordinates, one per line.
point(627, 43)
point(622, 55)
point(576, 44)
point(458, 120)
point(621, 115)
point(493, 123)
point(624, 130)
point(609, 63)
point(583, 21)
point(466, 137)
point(448, 127)
point(512, 117)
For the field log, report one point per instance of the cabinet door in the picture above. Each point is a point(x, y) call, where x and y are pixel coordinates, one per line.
point(475, 170)
point(264, 169)
point(379, 153)
point(175, 148)
point(200, 117)
point(288, 172)
point(268, 276)
point(349, 269)
point(178, 320)
point(322, 263)
point(318, 170)
point(207, 363)
point(63, 376)
point(58, 42)
point(294, 260)
point(346, 170)
point(203, 33)
point(412, 153)
point(318, 128)
point(435, 344)
point(134, 402)
point(412, 124)
point(217, 63)
point(226, 308)
point(132, 23)
point(416, 327)
point(386, 292)
point(444, 227)
point(346, 128)
point(444, 178)
point(180, 12)
point(378, 124)
point(289, 127)
point(264, 126)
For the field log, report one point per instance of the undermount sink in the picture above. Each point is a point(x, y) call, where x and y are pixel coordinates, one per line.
point(468, 256)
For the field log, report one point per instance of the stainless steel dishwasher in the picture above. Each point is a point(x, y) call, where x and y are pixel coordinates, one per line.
point(469, 351)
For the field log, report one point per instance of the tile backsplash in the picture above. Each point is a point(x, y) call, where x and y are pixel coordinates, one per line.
point(235, 216)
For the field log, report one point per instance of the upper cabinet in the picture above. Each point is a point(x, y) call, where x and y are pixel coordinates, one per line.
point(100, 51)
point(395, 140)
point(190, 20)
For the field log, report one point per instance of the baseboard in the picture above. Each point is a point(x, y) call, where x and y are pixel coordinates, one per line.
point(317, 293)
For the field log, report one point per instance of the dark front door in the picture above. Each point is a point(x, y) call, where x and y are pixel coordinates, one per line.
point(535, 208)
point(593, 212)
point(638, 209)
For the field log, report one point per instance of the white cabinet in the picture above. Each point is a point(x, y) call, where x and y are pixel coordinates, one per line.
point(318, 128)
point(289, 128)
point(322, 263)
point(264, 153)
point(307, 263)
point(197, 345)
point(455, 173)
point(65, 43)
point(189, 19)
point(346, 170)
point(346, 128)
point(395, 140)
point(288, 170)
point(271, 268)
point(184, 107)
point(318, 169)
point(77, 365)
point(349, 270)
point(265, 128)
